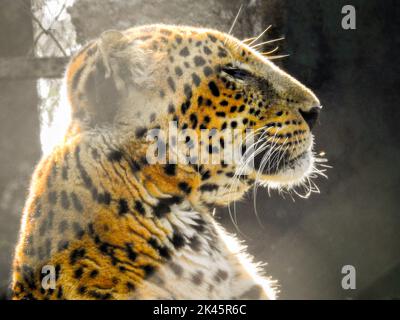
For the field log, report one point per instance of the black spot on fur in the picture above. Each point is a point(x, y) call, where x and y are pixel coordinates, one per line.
point(163, 207)
point(104, 198)
point(134, 166)
point(76, 254)
point(62, 245)
point(184, 186)
point(76, 202)
point(176, 268)
point(207, 71)
point(196, 79)
point(171, 84)
point(195, 243)
point(171, 108)
point(178, 71)
point(207, 50)
point(79, 232)
point(139, 207)
point(47, 223)
point(213, 88)
point(188, 91)
point(253, 293)
point(199, 61)
point(93, 273)
point(185, 106)
point(212, 38)
point(78, 273)
point(53, 197)
point(163, 251)
point(82, 289)
point(60, 292)
point(132, 255)
point(64, 172)
point(29, 276)
point(123, 207)
point(65, 200)
point(130, 286)
point(184, 52)
point(197, 278)
point(178, 39)
point(221, 275)
point(193, 120)
point(84, 175)
point(199, 101)
point(209, 187)
point(99, 296)
point(206, 175)
point(148, 270)
point(140, 132)
point(115, 156)
point(170, 169)
point(63, 226)
point(222, 52)
point(178, 240)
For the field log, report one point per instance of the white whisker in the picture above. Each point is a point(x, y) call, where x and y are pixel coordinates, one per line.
point(266, 42)
point(270, 52)
point(236, 18)
point(278, 57)
point(261, 34)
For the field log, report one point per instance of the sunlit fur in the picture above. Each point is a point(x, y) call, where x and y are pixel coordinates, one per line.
point(116, 227)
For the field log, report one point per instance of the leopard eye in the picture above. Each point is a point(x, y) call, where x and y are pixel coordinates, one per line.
point(237, 73)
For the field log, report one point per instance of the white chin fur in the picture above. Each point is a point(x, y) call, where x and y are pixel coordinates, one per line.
point(290, 177)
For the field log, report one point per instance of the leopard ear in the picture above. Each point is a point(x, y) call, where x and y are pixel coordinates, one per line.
point(108, 43)
point(105, 73)
point(124, 60)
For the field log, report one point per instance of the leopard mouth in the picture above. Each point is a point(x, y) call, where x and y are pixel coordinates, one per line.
point(282, 168)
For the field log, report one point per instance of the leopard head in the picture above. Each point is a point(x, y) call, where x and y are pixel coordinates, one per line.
point(201, 80)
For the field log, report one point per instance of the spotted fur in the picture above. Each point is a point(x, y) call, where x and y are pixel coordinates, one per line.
point(114, 226)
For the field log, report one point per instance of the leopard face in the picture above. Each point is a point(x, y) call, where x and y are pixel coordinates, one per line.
point(200, 79)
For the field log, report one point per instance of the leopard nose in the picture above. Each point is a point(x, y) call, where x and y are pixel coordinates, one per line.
point(311, 116)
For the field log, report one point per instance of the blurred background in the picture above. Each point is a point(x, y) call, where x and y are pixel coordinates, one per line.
point(355, 220)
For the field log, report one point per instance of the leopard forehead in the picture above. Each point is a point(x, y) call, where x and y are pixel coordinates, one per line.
point(191, 41)
point(174, 61)
point(186, 48)
point(188, 55)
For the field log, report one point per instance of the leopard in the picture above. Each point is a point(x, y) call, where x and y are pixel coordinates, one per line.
point(109, 220)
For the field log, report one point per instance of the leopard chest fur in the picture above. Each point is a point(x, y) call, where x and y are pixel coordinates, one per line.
point(210, 266)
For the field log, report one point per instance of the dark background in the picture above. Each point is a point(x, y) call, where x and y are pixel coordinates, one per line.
point(354, 220)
